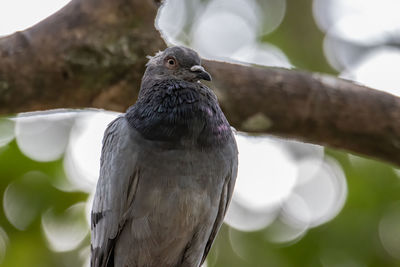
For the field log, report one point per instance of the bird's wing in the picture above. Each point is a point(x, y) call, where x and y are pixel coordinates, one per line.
point(115, 191)
point(226, 196)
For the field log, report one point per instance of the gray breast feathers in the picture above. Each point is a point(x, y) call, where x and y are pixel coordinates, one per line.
point(156, 204)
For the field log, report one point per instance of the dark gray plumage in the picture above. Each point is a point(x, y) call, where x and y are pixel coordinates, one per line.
point(168, 168)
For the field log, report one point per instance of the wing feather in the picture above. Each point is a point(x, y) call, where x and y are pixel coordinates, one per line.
point(115, 191)
point(226, 195)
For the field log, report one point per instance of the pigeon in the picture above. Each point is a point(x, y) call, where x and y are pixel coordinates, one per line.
point(167, 170)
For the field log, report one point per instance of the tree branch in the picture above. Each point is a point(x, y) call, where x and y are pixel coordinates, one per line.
point(92, 54)
point(315, 108)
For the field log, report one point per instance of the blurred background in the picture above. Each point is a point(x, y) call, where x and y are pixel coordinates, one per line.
point(295, 204)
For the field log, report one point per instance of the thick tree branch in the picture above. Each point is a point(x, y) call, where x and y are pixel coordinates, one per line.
point(92, 54)
point(315, 108)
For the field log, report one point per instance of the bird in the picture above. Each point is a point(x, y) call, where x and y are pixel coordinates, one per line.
point(168, 167)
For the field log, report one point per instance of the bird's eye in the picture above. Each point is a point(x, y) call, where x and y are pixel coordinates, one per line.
point(171, 62)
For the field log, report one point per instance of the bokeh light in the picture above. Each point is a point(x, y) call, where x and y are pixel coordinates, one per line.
point(389, 230)
point(262, 54)
point(171, 22)
point(3, 243)
point(244, 219)
point(323, 193)
point(378, 69)
point(43, 137)
point(329, 12)
point(260, 185)
point(220, 34)
point(29, 13)
point(271, 14)
point(67, 230)
point(84, 255)
point(82, 158)
point(6, 131)
point(20, 203)
point(362, 40)
point(286, 231)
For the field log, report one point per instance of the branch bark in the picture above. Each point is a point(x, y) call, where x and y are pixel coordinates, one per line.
point(92, 54)
point(314, 108)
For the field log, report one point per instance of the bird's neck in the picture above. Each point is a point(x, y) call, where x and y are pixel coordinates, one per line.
point(179, 112)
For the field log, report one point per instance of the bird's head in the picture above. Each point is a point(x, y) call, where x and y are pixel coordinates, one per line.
point(176, 62)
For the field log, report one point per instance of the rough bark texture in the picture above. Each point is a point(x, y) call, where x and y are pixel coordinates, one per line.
point(92, 54)
point(315, 108)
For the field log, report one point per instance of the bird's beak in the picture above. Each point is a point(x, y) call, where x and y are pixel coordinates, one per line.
point(201, 73)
